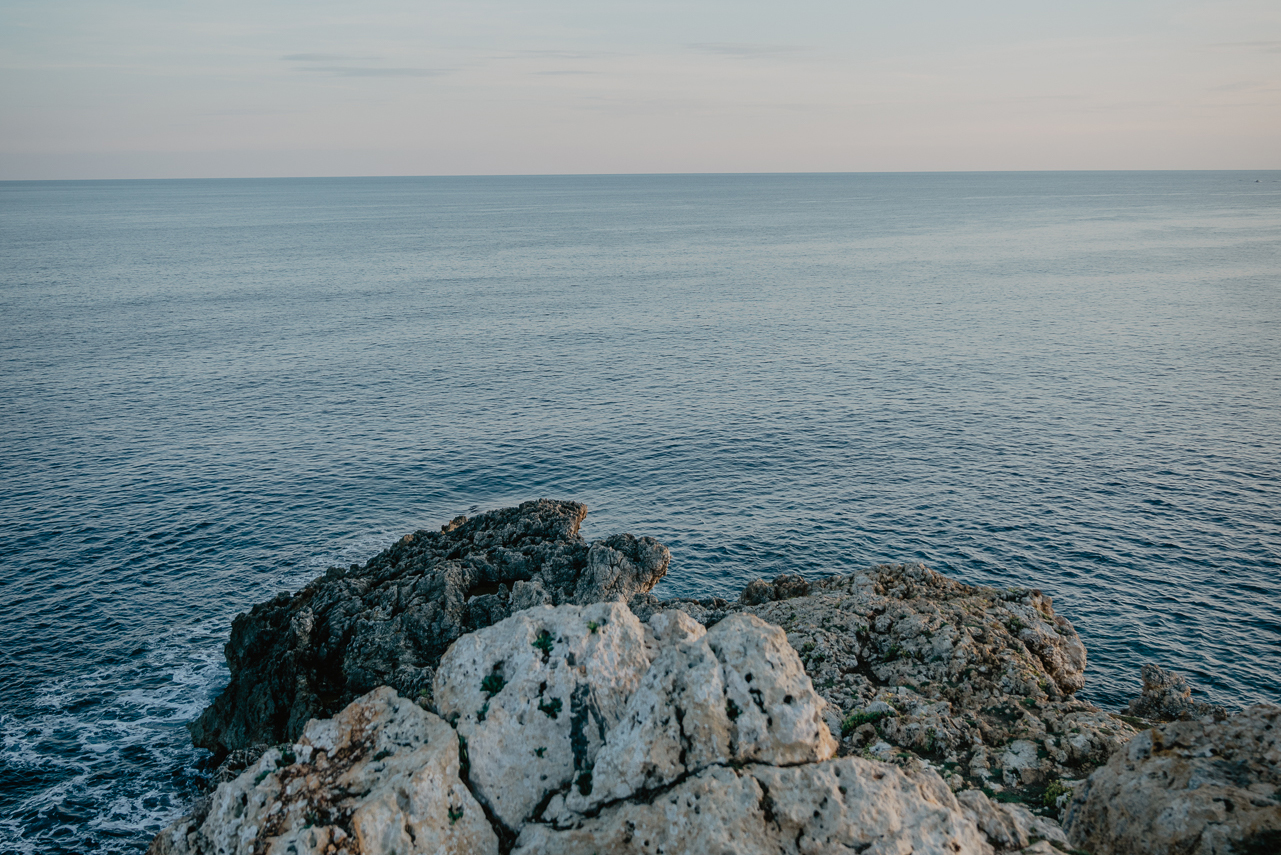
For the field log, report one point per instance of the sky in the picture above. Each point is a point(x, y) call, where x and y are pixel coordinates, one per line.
point(229, 88)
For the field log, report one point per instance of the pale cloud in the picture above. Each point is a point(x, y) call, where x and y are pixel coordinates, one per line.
point(745, 50)
point(320, 57)
point(371, 71)
point(1266, 47)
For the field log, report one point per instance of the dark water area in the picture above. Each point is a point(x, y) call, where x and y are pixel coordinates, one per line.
point(212, 390)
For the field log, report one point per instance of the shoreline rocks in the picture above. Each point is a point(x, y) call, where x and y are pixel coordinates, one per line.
point(1204, 787)
point(389, 621)
point(536, 751)
point(883, 710)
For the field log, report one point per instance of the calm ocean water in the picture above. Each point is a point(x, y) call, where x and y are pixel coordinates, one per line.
point(212, 390)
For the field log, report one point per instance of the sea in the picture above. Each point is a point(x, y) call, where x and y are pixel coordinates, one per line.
point(212, 390)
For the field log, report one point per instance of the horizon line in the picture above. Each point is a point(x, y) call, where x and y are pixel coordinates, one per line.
point(638, 174)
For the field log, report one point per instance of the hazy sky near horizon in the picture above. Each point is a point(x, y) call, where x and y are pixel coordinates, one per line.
point(144, 88)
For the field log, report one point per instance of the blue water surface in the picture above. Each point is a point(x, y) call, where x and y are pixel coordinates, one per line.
point(212, 390)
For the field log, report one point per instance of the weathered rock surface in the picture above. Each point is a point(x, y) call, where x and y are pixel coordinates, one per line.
point(1009, 826)
point(388, 622)
point(1190, 787)
point(839, 806)
point(977, 682)
point(534, 695)
point(561, 708)
point(742, 758)
point(1167, 696)
point(381, 776)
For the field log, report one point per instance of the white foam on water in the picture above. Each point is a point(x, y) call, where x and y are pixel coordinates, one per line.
point(115, 739)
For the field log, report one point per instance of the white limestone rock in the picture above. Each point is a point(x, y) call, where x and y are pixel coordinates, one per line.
point(380, 777)
point(839, 806)
point(775, 714)
point(684, 716)
point(675, 722)
point(534, 695)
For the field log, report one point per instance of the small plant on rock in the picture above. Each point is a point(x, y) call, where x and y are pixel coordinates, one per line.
point(855, 720)
point(550, 709)
point(1053, 792)
point(543, 643)
point(455, 814)
point(492, 684)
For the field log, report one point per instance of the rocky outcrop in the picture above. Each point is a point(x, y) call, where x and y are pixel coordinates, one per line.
point(973, 681)
point(389, 621)
point(1202, 787)
point(548, 711)
point(1168, 697)
point(891, 709)
point(382, 776)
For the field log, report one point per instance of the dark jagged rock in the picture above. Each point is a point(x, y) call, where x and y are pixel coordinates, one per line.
point(1167, 697)
point(389, 622)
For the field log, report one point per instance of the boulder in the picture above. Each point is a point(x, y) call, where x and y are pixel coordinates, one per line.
point(381, 776)
point(534, 696)
point(1167, 696)
point(1202, 787)
point(1009, 826)
point(389, 621)
point(678, 739)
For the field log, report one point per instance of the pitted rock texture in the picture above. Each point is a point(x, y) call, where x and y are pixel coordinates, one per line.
point(1168, 697)
point(534, 695)
point(579, 729)
point(734, 694)
point(388, 622)
point(1193, 787)
point(570, 707)
point(839, 806)
point(380, 777)
point(976, 681)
